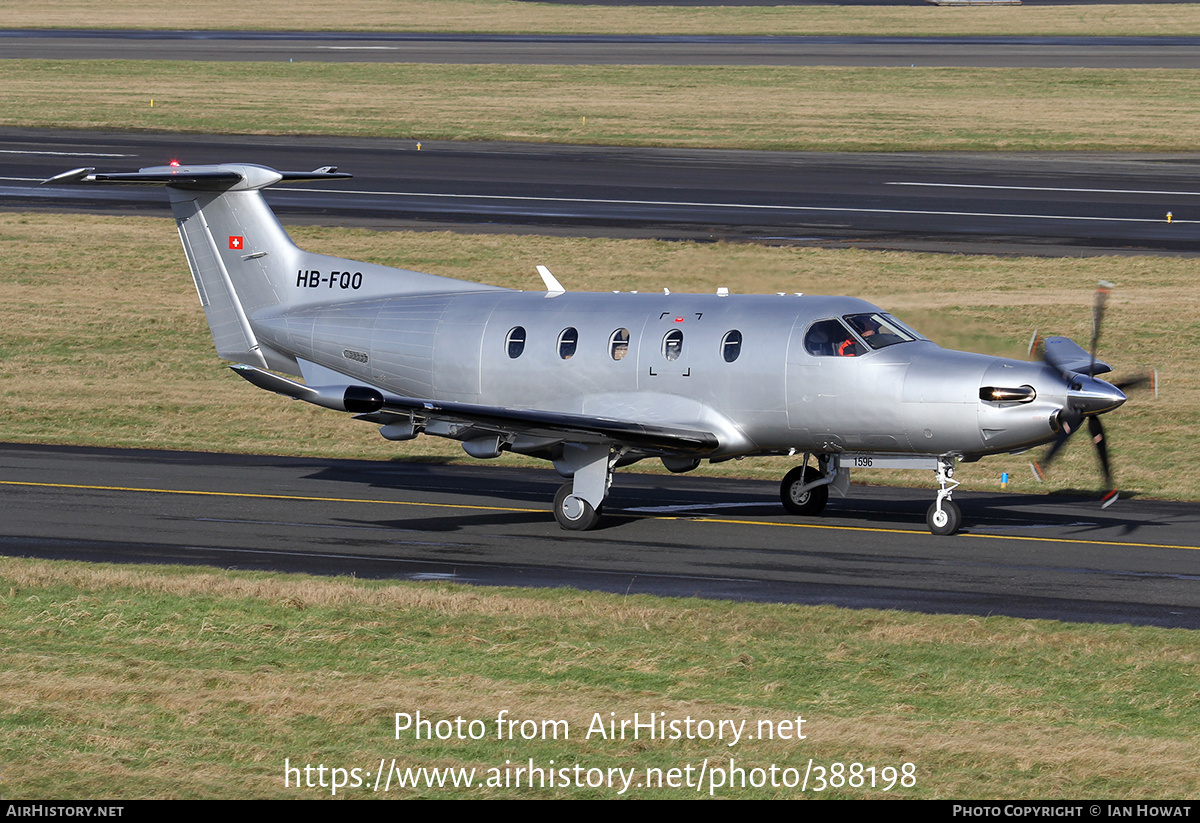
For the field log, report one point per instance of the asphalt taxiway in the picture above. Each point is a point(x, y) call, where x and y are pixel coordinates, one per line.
point(1020, 555)
point(1051, 203)
point(1163, 52)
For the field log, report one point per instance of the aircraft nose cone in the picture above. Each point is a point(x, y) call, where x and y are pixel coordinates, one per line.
point(1087, 395)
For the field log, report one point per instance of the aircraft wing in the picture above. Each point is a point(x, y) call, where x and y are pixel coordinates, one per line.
point(371, 404)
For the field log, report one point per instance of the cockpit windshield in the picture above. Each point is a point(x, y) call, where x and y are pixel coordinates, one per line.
point(880, 330)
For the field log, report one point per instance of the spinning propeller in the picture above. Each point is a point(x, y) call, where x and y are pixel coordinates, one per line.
point(1087, 397)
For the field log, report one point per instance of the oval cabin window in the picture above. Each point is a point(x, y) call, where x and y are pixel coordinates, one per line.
point(568, 339)
point(731, 345)
point(515, 342)
point(672, 345)
point(618, 344)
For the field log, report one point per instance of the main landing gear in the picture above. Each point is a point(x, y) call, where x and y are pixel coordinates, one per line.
point(805, 490)
point(578, 503)
point(574, 513)
point(800, 495)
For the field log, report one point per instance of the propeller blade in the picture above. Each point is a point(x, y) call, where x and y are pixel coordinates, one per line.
point(1058, 443)
point(1102, 291)
point(1039, 469)
point(1138, 380)
point(1087, 397)
point(1034, 342)
point(1097, 430)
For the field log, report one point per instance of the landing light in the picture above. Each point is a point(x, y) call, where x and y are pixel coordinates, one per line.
point(999, 394)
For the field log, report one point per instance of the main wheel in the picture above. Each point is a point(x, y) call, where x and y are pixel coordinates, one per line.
point(574, 513)
point(805, 503)
point(946, 521)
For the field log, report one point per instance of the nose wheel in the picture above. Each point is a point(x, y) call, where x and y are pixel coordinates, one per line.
point(944, 520)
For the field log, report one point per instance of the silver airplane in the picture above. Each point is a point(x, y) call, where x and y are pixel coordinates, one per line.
point(593, 382)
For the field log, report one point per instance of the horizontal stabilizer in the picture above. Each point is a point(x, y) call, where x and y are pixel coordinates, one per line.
point(216, 178)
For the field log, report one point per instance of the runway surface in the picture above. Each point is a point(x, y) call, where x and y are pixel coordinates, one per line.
point(585, 49)
point(1012, 203)
point(1037, 557)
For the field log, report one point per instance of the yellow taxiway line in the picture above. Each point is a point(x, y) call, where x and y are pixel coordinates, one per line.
point(698, 519)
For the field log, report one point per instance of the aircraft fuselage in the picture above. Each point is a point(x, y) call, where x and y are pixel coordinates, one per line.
point(737, 365)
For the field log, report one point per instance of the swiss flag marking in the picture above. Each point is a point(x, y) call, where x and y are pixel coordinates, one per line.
point(235, 242)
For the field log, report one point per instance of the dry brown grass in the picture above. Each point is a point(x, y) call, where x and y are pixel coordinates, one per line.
point(509, 16)
point(843, 109)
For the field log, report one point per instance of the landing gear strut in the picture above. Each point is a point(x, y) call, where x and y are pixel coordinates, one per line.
point(944, 516)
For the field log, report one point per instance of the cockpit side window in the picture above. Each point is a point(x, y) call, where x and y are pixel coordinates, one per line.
point(880, 330)
point(829, 338)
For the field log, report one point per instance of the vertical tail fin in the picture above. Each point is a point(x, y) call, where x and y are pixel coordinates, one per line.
point(242, 260)
point(227, 231)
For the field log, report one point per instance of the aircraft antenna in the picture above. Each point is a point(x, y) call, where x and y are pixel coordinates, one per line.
point(552, 284)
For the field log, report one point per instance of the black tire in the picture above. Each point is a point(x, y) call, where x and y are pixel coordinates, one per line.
point(948, 522)
point(574, 513)
point(810, 502)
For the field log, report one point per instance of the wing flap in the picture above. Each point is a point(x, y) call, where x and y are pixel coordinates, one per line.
point(577, 428)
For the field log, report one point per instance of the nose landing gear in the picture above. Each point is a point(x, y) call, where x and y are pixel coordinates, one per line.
point(944, 516)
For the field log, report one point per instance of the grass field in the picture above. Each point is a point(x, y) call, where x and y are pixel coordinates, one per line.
point(512, 16)
point(824, 109)
point(137, 682)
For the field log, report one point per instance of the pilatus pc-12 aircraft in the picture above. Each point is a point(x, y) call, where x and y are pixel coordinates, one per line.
point(593, 382)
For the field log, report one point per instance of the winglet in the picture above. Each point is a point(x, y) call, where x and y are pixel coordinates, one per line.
point(553, 287)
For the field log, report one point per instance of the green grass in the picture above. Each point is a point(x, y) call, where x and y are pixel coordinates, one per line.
point(825, 109)
point(138, 682)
